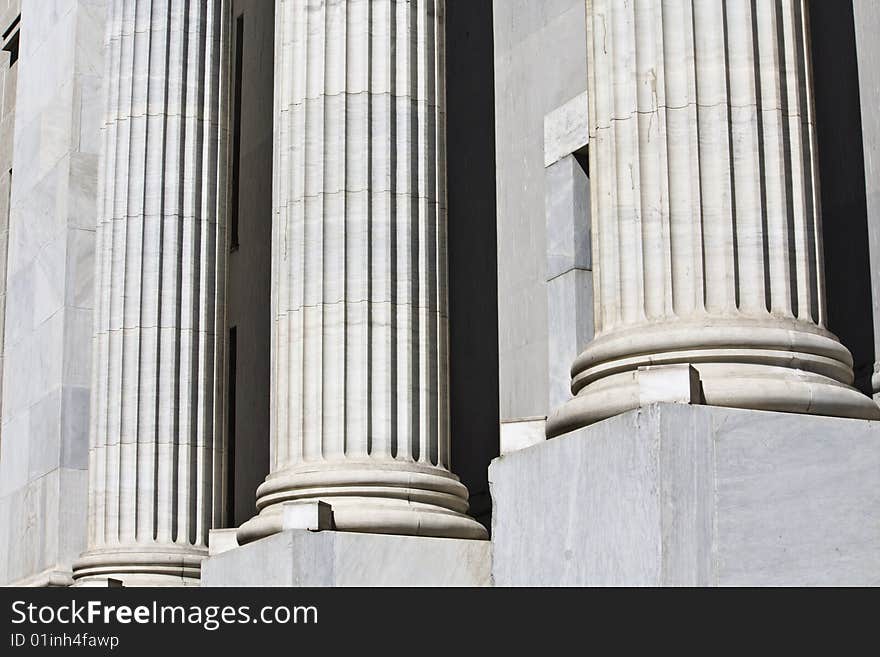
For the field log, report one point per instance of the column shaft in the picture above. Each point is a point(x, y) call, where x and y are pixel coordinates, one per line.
point(360, 400)
point(706, 218)
point(866, 15)
point(155, 451)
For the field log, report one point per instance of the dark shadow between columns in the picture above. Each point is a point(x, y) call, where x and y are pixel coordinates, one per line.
point(842, 180)
point(473, 286)
point(248, 292)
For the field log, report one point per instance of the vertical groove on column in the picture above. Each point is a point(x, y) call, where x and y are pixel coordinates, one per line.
point(653, 157)
point(810, 271)
point(103, 248)
point(333, 218)
point(381, 436)
point(404, 276)
point(156, 108)
point(440, 450)
point(777, 170)
point(630, 258)
point(358, 146)
point(153, 441)
point(715, 176)
point(682, 148)
point(745, 156)
point(132, 219)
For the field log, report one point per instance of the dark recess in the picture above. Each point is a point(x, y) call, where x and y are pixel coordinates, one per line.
point(11, 40)
point(842, 179)
point(231, 380)
point(235, 179)
point(473, 288)
point(248, 292)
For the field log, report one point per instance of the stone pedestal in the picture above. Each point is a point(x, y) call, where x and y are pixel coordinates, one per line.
point(672, 494)
point(328, 558)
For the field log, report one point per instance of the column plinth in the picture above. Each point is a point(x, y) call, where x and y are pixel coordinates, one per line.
point(155, 455)
point(707, 241)
point(360, 399)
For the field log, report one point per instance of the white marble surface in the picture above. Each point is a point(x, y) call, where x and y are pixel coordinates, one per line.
point(48, 268)
point(540, 64)
point(522, 433)
point(303, 558)
point(569, 286)
point(674, 384)
point(692, 495)
point(566, 130)
point(221, 540)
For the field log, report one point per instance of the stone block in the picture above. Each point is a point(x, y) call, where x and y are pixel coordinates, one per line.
point(45, 435)
point(567, 217)
point(75, 427)
point(570, 327)
point(566, 129)
point(692, 495)
point(673, 384)
point(312, 516)
point(519, 434)
point(539, 47)
point(221, 540)
point(324, 559)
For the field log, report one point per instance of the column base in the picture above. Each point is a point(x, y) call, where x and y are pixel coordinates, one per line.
point(140, 565)
point(408, 499)
point(741, 364)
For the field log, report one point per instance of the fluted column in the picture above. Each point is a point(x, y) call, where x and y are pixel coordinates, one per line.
point(706, 218)
point(155, 453)
point(360, 402)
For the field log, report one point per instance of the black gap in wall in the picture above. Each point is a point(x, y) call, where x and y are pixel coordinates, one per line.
point(473, 288)
point(11, 40)
point(842, 179)
point(236, 133)
point(231, 380)
point(248, 292)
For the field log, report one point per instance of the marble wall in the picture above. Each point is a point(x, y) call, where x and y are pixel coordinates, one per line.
point(48, 328)
point(867, 24)
point(540, 64)
point(9, 10)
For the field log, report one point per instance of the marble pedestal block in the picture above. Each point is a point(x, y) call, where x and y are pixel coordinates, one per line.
point(672, 494)
point(329, 558)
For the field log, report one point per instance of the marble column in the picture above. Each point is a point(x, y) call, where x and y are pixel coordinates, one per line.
point(359, 391)
point(707, 245)
point(155, 453)
point(866, 15)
